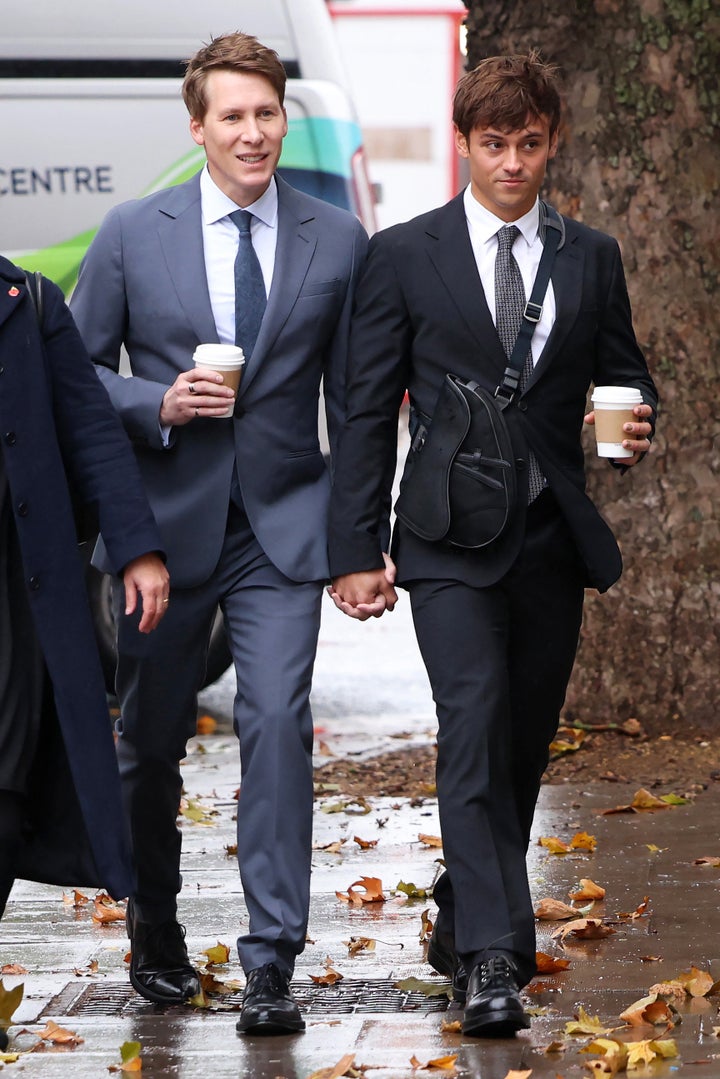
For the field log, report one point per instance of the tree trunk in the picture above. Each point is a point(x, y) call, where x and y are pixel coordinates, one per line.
point(640, 159)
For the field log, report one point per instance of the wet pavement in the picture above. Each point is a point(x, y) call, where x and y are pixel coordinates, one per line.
point(370, 691)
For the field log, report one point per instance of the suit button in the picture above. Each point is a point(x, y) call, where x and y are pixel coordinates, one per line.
point(34, 583)
point(10, 438)
point(2, 369)
point(522, 406)
point(22, 508)
point(520, 463)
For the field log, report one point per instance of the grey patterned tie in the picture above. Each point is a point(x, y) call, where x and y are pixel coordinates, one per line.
point(509, 306)
point(250, 300)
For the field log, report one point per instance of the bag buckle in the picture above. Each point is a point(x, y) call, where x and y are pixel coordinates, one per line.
point(533, 311)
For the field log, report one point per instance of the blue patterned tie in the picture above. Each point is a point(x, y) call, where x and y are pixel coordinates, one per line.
point(509, 306)
point(250, 300)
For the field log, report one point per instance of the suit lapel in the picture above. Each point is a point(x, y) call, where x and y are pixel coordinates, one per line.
point(12, 289)
point(296, 243)
point(451, 253)
point(567, 280)
point(180, 233)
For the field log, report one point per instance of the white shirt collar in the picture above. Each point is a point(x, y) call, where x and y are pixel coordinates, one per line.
point(486, 225)
point(216, 204)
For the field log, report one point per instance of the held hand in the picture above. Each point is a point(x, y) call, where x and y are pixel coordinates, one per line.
point(194, 394)
point(638, 439)
point(147, 577)
point(365, 595)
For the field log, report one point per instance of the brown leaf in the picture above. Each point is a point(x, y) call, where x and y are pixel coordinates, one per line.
point(334, 847)
point(714, 862)
point(106, 910)
point(552, 910)
point(342, 1067)
point(359, 944)
point(231, 850)
point(206, 725)
point(698, 983)
point(585, 929)
point(365, 844)
point(439, 1063)
point(639, 912)
point(588, 890)
point(330, 977)
point(672, 989)
point(57, 1035)
point(643, 801)
point(372, 892)
point(12, 968)
point(454, 1026)
point(647, 1010)
point(430, 840)
point(548, 964)
point(426, 926)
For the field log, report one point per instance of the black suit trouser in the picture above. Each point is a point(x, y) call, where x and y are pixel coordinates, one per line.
point(499, 659)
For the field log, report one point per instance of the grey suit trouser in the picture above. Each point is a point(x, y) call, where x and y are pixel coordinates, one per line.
point(272, 625)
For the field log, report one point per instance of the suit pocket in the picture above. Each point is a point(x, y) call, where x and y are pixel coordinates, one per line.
point(320, 288)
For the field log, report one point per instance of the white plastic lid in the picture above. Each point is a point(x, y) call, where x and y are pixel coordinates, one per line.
point(216, 355)
point(617, 395)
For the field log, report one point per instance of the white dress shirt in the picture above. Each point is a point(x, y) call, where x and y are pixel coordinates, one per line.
point(483, 227)
point(220, 245)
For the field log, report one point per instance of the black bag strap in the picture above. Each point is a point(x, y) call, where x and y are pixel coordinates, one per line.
point(34, 284)
point(552, 227)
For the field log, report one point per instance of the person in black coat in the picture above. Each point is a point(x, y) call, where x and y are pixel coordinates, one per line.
point(61, 815)
point(497, 626)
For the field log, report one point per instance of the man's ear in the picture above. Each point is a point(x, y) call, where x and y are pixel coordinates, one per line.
point(553, 148)
point(460, 142)
point(196, 130)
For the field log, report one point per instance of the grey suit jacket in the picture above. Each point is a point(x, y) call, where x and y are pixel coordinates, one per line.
point(143, 285)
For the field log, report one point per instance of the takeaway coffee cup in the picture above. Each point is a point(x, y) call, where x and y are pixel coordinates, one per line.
point(613, 407)
point(228, 361)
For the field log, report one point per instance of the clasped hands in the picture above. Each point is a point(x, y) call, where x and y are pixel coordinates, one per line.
point(365, 595)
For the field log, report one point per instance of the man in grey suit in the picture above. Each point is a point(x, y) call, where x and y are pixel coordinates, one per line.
point(241, 503)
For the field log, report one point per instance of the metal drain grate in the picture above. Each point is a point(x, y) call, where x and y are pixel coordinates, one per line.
point(348, 997)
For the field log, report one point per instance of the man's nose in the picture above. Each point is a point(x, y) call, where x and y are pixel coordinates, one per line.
point(512, 161)
point(251, 132)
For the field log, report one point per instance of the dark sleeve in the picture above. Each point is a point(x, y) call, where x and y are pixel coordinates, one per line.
point(377, 377)
point(96, 451)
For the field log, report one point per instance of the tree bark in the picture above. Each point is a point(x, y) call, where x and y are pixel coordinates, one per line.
point(640, 159)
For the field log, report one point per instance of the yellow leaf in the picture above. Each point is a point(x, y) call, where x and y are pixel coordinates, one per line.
point(454, 1026)
point(647, 1010)
point(439, 1063)
point(130, 1051)
point(588, 890)
point(586, 1024)
point(519, 1075)
point(9, 1002)
point(698, 983)
point(665, 1048)
point(9, 1058)
point(640, 1053)
point(59, 1035)
point(342, 1067)
point(583, 841)
point(219, 954)
point(553, 844)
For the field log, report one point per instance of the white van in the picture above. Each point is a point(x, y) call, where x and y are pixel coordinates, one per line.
point(92, 115)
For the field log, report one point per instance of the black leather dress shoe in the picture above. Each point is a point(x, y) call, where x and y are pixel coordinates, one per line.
point(493, 1008)
point(268, 1006)
point(443, 958)
point(160, 969)
point(3, 1039)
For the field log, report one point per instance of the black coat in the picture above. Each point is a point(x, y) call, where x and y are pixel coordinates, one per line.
point(56, 420)
point(421, 312)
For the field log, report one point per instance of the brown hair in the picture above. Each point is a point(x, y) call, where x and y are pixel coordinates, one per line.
point(231, 52)
point(502, 91)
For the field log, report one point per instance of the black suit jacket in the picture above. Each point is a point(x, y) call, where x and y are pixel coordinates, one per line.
point(421, 312)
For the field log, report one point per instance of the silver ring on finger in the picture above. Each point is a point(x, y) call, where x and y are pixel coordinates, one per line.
point(197, 411)
point(191, 387)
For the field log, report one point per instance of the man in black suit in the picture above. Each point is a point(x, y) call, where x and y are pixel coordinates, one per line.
point(497, 627)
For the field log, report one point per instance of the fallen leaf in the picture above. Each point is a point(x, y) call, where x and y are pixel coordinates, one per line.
point(553, 844)
point(583, 841)
point(553, 1047)
point(89, 971)
point(674, 799)
point(584, 929)
point(672, 989)
point(217, 955)
point(359, 944)
point(342, 1067)
point(57, 1035)
point(647, 1010)
point(330, 977)
point(644, 1052)
point(231, 850)
point(698, 983)
point(454, 1026)
point(548, 964)
point(200, 1000)
point(130, 1056)
point(612, 1052)
point(513, 1074)
point(206, 725)
point(210, 984)
point(426, 927)
point(714, 862)
point(651, 958)
point(639, 911)
point(411, 890)
point(334, 847)
point(569, 744)
point(586, 1024)
point(77, 899)
point(439, 1063)
point(428, 989)
point(553, 910)
point(365, 844)
point(588, 890)
point(371, 892)
point(192, 810)
point(13, 968)
point(324, 750)
point(9, 1002)
point(357, 806)
point(430, 840)
point(106, 910)
point(643, 801)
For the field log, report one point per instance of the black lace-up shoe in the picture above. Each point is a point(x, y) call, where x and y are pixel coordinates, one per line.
point(268, 1006)
point(443, 958)
point(494, 1008)
point(160, 969)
